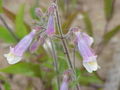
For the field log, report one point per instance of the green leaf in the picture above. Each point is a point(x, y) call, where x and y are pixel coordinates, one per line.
point(32, 12)
point(5, 35)
point(27, 69)
point(32, 9)
point(62, 63)
point(12, 17)
point(107, 37)
point(61, 4)
point(85, 78)
point(108, 8)
point(69, 20)
point(54, 85)
point(1, 4)
point(20, 26)
point(6, 84)
point(88, 23)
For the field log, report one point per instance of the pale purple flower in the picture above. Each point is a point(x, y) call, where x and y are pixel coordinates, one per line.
point(16, 53)
point(50, 26)
point(65, 82)
point(64, 86)
point(84, 43)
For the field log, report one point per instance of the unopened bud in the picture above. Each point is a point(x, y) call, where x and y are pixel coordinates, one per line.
point(65, 82)
point(37, 28)
point(52, 8)
point(36, 43)
point(74, 29)
point(38, 12)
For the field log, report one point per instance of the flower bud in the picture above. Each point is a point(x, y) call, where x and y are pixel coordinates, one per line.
point(37, 28)
point(38, 12)
point(36, 43)
point(65, 82)
point(50, 26)
point(51, 9)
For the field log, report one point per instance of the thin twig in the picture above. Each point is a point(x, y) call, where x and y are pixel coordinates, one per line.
point(63, 41)
point(55, 63)
point(8, 28)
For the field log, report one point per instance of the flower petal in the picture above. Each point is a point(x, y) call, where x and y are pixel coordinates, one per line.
point(64, 86)
point(50, 27)
point(89, 40)
point(91, 66)
point(11, 58)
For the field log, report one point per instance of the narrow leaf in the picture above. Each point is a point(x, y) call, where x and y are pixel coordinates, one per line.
point(20, 26)
point(107, 37)
point(88, 23)
point(32, 12)
point(66, 25)
point(12, 17)
point(32, 9)
point(5, 35)
point(28, 69)
point(1, 4)
point(108, 8)
point(61, 4)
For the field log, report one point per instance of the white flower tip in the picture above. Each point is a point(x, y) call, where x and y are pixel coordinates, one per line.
point(91, 66)
point(11, 58)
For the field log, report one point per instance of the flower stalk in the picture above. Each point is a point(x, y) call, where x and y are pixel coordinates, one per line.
point(55, 63)
point(65, 46)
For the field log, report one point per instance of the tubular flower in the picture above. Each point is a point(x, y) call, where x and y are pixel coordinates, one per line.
point(50, 26)
point(64, 85)
point(84, 43)
point(16, 53)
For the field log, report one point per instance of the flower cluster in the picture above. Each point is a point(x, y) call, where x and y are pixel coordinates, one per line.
point(34, 39)
point(40, 35)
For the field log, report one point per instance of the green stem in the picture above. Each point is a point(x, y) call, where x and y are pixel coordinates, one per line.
point(55, 63)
